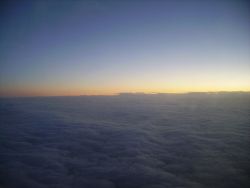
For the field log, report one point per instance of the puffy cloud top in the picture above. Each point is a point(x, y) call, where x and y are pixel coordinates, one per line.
point(155, 141)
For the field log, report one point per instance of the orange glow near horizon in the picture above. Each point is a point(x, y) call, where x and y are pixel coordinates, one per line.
point(76, 91)
point(158, 83)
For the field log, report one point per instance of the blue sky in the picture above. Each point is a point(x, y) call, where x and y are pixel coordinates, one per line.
point(104, 47)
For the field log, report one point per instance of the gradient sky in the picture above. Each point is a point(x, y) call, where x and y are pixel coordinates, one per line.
point(105, 47)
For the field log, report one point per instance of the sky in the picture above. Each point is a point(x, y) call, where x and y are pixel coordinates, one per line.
point(103, 47)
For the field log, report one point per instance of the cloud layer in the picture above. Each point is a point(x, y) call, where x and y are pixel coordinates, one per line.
point(125, 142)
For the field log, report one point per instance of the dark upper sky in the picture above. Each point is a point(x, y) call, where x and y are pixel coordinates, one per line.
point(102, 47)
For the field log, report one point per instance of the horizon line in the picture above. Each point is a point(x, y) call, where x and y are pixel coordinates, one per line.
point(130, 94)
